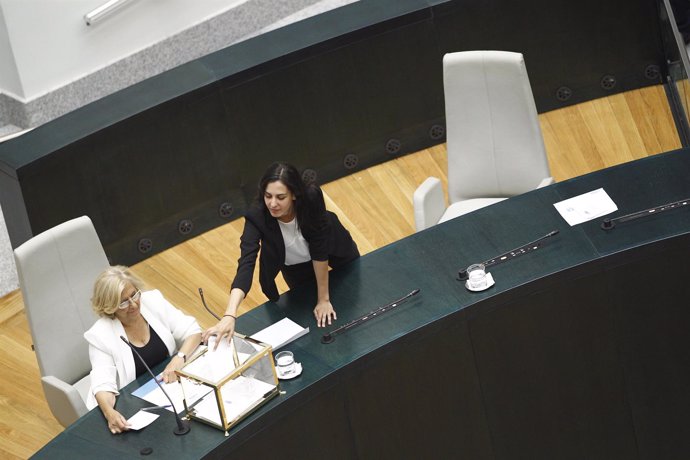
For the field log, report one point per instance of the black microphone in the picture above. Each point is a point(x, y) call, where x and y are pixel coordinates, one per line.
point(182, 426)
point(529, 247)
point(609, 224)
point(203, 301)
point(329, 337)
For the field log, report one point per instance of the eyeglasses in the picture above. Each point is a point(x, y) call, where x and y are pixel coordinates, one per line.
point(135, 298)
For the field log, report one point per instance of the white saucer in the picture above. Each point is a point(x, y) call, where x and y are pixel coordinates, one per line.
point(489, 282)
point(291, 375)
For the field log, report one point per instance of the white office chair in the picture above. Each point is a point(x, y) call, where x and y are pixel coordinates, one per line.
point(494, 142)
point(57, 270)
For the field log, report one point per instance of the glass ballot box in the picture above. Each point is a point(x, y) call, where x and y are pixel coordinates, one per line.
point(221, 387)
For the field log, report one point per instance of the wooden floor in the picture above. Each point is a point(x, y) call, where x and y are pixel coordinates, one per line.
point(375, 204)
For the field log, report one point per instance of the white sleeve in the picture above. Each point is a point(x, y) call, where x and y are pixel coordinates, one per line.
point(103, 371)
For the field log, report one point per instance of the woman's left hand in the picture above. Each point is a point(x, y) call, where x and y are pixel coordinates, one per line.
point(324, 313)
point(169, 374)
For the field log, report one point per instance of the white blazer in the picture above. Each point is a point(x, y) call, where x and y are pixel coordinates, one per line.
point(112, 362)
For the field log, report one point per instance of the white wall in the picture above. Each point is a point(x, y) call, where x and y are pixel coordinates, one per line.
point(9, 79)
point(52, 46)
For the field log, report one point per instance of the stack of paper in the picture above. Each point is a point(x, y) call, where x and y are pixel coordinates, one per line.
point(239, 395)
point(152, 393)
point(216, 363)
point(281, 333)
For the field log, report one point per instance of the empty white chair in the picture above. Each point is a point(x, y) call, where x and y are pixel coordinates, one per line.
point(57, 270)
point(494, 142)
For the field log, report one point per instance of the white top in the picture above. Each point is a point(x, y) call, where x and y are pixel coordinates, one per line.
point(296, 247)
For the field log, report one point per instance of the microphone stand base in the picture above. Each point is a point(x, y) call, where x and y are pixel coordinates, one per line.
point(607, 224)
point(462, 274)
point(182, 428)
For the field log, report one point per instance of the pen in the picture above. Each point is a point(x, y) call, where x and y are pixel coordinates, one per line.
point(156, 407)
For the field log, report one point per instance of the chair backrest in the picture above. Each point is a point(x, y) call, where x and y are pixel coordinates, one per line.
point(494, 141)
point(57, 270)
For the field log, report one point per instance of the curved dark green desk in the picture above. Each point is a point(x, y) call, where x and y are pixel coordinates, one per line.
point(580, 350)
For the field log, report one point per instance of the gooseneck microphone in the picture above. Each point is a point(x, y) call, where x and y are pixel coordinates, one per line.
point(527, 248)
point(609, 224)
point(203, 301)
point(330, 336)
point(182, 426)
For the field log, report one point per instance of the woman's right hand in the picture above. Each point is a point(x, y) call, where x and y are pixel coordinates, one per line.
point(224, 328)
point(116, 422)
point(226, 325)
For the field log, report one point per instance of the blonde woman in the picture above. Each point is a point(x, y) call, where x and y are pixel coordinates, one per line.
point(149, 322)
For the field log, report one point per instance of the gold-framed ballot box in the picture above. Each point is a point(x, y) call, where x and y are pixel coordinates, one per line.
point(221, 387)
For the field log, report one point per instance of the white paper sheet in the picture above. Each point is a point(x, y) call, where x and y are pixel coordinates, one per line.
point(215, 365)
point(281, 333)
point(238, 395)
point(152, 393)
point(141, 420)
point(585, 207)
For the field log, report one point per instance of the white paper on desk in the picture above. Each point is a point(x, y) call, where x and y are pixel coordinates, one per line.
point(141, 419)
point(214, 365)
point(152, 393)
point(238, 395)
point(281, 333)
point(585, 207)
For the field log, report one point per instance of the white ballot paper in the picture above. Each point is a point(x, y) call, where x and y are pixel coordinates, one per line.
point(216, 364)
point(141, 420)
point(281, 333)
point(239, 395)
point(585, 207)
point(152, 393)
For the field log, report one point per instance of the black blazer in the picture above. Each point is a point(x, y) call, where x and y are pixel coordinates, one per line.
point(261, 231)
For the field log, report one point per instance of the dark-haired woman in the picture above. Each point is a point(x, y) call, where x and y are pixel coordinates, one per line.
point(297, 236)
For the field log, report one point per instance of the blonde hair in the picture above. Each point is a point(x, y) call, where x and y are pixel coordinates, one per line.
point(107, 291)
